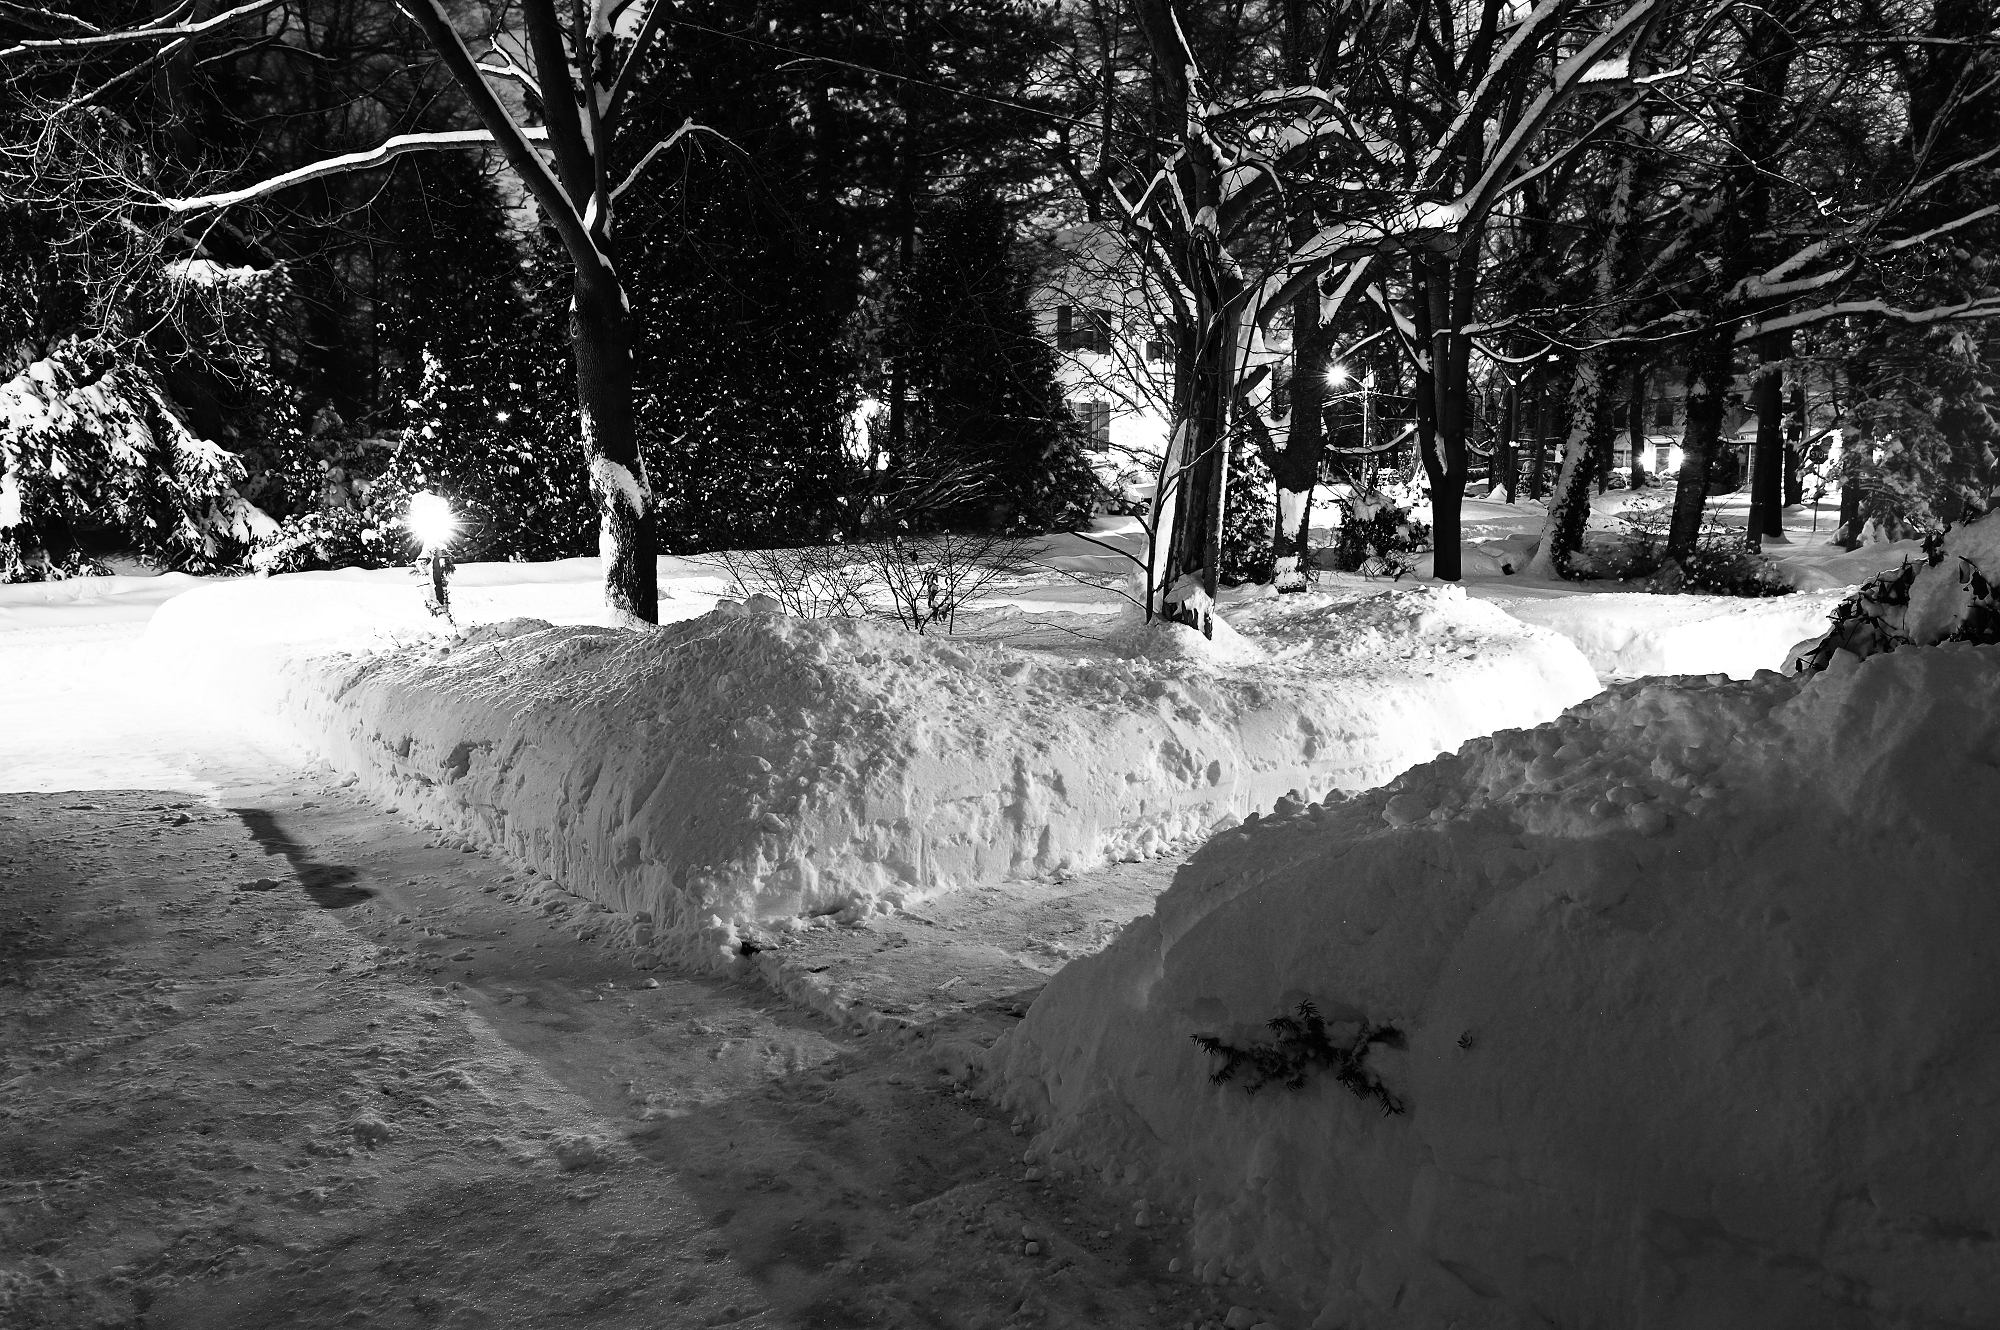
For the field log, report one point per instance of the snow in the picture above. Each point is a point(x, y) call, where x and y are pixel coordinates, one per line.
point(609, 477)
point(1625, 635)
point(1695, 1029)
point(732, 773)
point(1688, 976)
point(207, 273)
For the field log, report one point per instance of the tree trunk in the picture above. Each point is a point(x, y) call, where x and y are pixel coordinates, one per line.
point(1295, 470)
point(601, 333)
point(1795, 449)
point(1767, 516)
point(1545, 429)
point(1635, 426)
point(1592, 395)
point(1510, 430)
point(1437, 285)
point(1710, 365)
point(1198, 477)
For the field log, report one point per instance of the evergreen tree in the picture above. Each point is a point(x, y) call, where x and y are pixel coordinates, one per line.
point(743, 381)
point(991, 427)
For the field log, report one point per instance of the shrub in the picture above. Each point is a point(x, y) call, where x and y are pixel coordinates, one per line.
point(920, 581)
point(1376, 535)
point(1719, 564)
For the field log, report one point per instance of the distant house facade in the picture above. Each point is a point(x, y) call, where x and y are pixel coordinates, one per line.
point(1114, 353)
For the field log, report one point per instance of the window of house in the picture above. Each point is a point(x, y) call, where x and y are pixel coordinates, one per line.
point(1156, 350)
point(1095, 417)
point(1098, 332)
point(1083, 329)
point(1663, 412)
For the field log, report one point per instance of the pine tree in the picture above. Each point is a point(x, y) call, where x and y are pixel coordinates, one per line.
point(493, 412)
point(991, 413)
point(744, 377)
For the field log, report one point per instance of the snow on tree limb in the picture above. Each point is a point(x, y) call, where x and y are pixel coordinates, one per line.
point(127, 36)
point(557, 204)
point(687, 127)
point(367, 159)
point(1982, 307)
point(46, 20)
point(642, 41)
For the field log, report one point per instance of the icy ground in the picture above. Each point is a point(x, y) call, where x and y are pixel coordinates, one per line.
point(271, 1055)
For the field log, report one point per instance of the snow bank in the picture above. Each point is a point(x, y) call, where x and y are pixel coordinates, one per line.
point(1627, 634)
point(735, 771)
point(1696, 988)
point(75, 602)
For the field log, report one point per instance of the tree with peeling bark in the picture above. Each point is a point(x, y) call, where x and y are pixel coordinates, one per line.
point(566, 76)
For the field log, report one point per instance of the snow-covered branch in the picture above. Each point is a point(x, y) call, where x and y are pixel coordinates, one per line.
point(127, 36)
point(388, 150)
point(687, 127)
point(1982, 307)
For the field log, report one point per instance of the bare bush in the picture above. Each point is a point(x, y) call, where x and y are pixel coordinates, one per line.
point(919, 581)
point(929, 579)
point(812, 582)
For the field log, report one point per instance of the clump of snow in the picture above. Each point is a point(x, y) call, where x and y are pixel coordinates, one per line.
point(207, 273)
point(1943, 593)
point(736, 771)
point(1695, 1011)
point(1164, 639)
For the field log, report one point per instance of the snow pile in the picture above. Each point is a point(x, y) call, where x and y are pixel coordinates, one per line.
point(1627, 634)
point(1694, 991)
point(737, 771)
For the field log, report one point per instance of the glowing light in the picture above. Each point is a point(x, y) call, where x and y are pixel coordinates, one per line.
point(1336, 375)
point(431, 520)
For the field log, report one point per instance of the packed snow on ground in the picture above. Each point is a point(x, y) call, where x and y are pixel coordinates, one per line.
point(1693, 989)
point(737, 772)
point(1628, 634)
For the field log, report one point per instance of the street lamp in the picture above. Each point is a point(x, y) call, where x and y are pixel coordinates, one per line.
point(432, 522)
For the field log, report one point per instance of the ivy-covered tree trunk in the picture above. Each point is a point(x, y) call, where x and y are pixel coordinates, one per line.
point(1593, 399)
point(1593, 392)
point(601, 334)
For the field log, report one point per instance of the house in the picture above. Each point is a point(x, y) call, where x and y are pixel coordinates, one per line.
point(1114, 352)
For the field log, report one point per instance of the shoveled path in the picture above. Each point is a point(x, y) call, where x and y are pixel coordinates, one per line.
point(270, 1056)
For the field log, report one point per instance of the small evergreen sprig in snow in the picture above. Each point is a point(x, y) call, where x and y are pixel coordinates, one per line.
point(1300, 1044)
